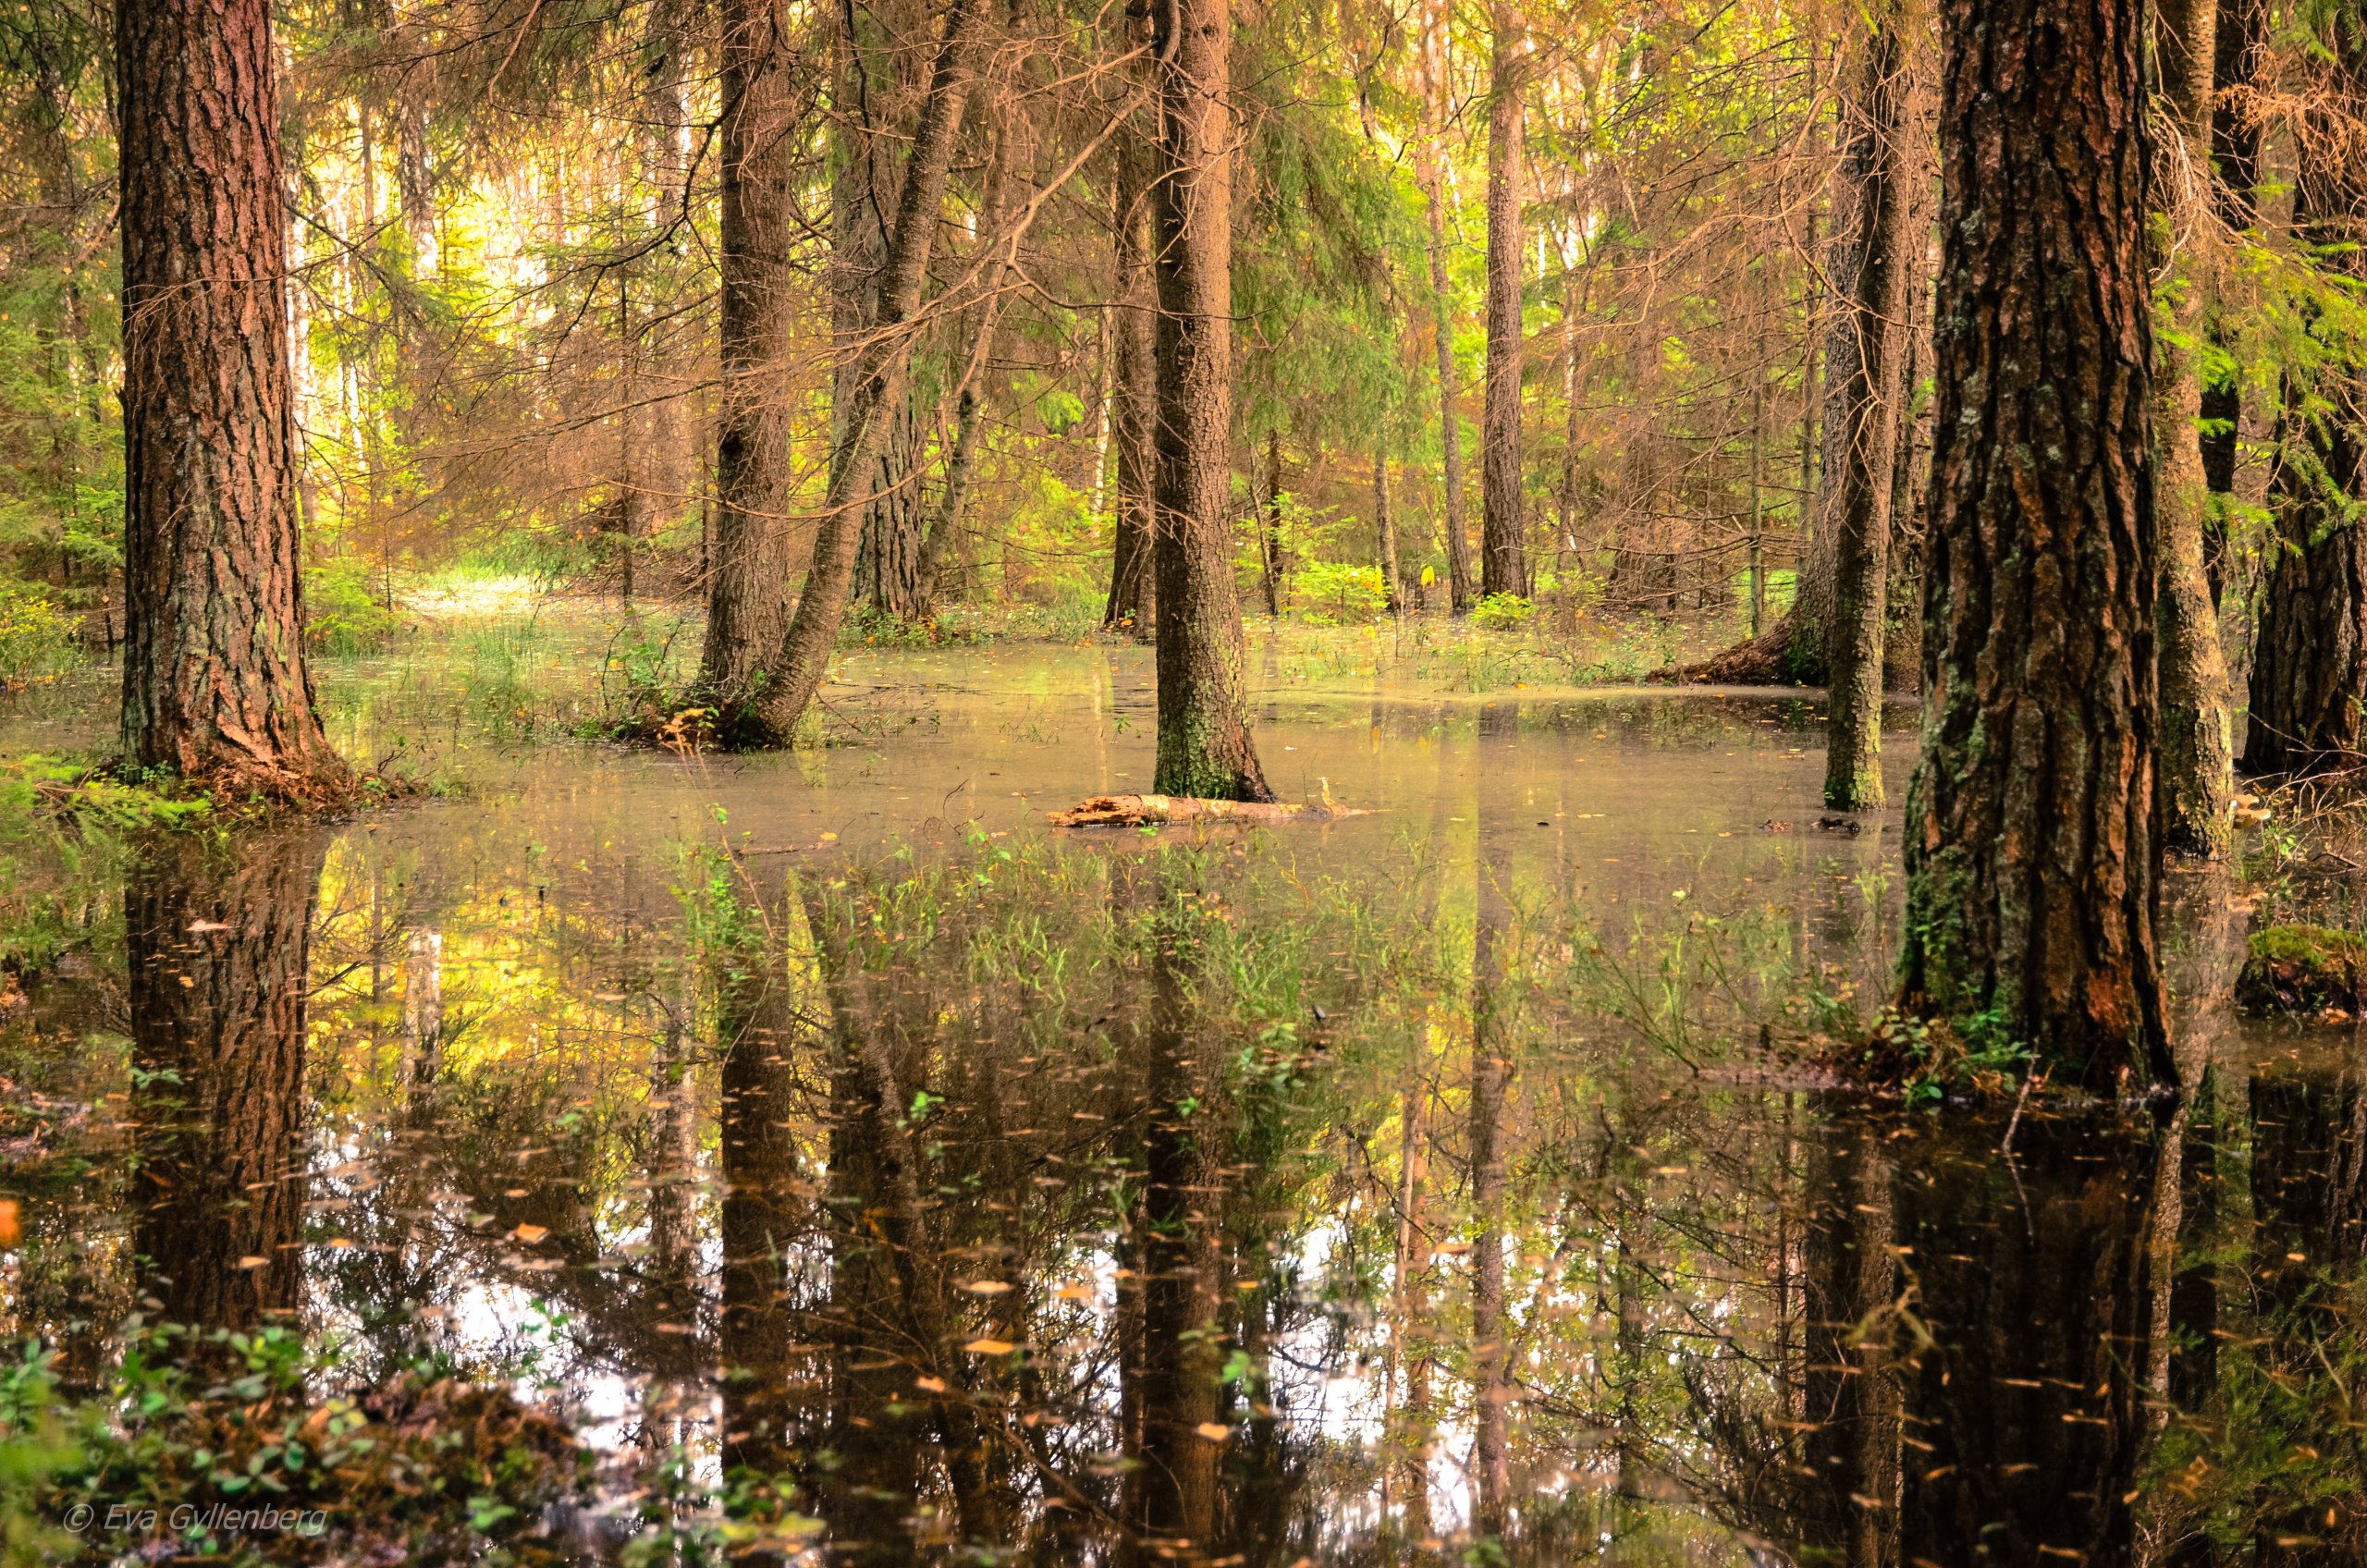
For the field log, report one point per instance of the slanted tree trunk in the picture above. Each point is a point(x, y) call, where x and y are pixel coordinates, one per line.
point(2198, 725)
point(1204, 743)
point(214, 682)
point(1503, 566)
point(747, 587)
point(795, 670)
point(2310, 668)
point(1132, 580)
point(1883, 162)
point(2032, 851)
point(1429, 170)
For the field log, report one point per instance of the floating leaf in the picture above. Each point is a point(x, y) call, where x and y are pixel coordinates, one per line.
point(990, 1347)
point(985, 1287)
point(1215, 1431)
point(530, 1234)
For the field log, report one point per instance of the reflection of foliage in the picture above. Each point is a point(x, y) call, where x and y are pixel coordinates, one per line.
point(38, 641)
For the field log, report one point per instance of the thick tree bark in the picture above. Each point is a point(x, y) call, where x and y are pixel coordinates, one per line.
point(878, 356)
point(2309, 669)
point(1882, 161)
point(2198, 724)
point(1504, 564)
point(2033, 853)
point(1134, 318)
point(214, 682)
point(1204, 743)
point(747, 589)
point(1429, 171)
point(216, 958)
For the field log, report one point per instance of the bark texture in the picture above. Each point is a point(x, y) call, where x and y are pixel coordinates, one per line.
point(217, 958)
point(214, 682)
point(877, 356)
point(1431, 174)
point(1881, 163)
point(1503, 567)
point(747, 590)
point(2198, 724)
point(2310, 668)
point(1134, 319)
point(1204, 743)
point(2032, 851)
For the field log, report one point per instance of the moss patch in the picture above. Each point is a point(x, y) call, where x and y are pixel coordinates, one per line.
point(2304, 968)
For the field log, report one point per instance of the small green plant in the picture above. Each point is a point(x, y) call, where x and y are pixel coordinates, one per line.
point(38, 641)
point(341, 615)
point(1346, 596)
point(1502, 612)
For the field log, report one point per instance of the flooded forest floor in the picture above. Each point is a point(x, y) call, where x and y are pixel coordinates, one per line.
point(620, 1156)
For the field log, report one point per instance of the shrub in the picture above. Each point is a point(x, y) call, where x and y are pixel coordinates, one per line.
point(1344, 593)
point(341, 615)
point(38, 641)
point(1502, 612)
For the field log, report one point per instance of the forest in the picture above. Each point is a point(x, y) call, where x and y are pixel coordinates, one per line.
point(1258, 783)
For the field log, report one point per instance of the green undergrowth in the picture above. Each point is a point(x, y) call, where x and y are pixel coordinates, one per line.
point(261, 1448)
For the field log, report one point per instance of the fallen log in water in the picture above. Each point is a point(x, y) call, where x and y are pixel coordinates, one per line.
point(1149, 810)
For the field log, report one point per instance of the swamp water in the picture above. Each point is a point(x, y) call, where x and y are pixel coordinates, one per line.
point(869, 1174)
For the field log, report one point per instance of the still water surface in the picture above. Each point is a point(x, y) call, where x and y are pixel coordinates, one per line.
point(1455, 1183)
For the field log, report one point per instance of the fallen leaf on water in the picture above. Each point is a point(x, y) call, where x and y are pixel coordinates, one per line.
point(12, 1222)
point(930, 1385)
point(984, 1287)
point(990, 1347)
point(209, 926)
point(339, 1244)
point(252, 1262)
point(531, 1233)
point(1216, 1432)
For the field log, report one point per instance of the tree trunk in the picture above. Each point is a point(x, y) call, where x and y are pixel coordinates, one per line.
point(1270, 538)
point(2309, 670)
point(2238, 38)
point(1429, 170)
point(217, 963)
point(1204, 743)
point(2033, 855)
point(214, 682)
point(1503, 567)
point(1492, 1073)
point(1882, 160)
point(2198, 739)
point(1132, 580)
point(1384, 525)
point(747, 589)
point(794, 673)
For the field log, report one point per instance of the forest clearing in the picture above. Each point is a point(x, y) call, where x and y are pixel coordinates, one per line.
point(1258, 783)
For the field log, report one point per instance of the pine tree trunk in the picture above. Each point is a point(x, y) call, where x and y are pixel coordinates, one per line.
point(1269, 538)
point(1384, 525)
point(1204, 743)
point(1503, 566)
point(1132, 579)
point(875, 387)
point(1881, 161)
point(2238, 40)
point(214, 682)
point(2032, 852)
point(217, 967)
point(747, 586)
point(2198, 724)
point(2309, 669)
point(1431, 171)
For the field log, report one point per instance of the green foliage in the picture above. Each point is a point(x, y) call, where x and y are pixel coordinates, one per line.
point(342, 611)
point(194, 1424)
point(1344, 595)
point(1502, 612)
point(37, 640)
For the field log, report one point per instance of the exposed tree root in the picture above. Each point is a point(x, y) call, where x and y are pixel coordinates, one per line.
point(1147, 810)
point(1763, 660)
